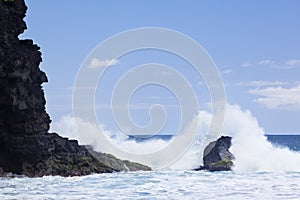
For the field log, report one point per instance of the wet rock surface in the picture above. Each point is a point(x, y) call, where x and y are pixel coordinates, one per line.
point(216, 156)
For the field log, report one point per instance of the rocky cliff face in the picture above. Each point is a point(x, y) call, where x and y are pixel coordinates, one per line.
point(217, 156)
point(26, 147)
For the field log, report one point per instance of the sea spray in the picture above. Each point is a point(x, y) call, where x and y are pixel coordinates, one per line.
point(191, 158)
point(252, 151)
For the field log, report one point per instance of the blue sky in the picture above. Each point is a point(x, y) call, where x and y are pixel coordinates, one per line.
point(255, 44)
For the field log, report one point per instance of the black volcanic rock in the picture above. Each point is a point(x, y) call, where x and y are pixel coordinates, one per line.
point(216, 156)
point(26, 147)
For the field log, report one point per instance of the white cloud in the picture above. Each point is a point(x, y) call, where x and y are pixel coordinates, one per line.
point(227, 71)
point(266, 62)
point(292, 62)
point(247, 64)
point(288, 64)
point(261, 83)
point(278, 97)
point(95, 63)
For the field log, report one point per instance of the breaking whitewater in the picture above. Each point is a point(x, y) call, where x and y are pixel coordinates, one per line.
point(262, 170)
point(252, 150)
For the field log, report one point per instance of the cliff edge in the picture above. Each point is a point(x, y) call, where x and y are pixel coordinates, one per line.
point(26, 147)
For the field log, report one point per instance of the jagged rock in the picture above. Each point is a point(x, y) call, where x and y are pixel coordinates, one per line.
point(216, 156)
point(26, 147)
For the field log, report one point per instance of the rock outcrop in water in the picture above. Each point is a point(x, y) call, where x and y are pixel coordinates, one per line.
point(216, 156)
point(26, 147)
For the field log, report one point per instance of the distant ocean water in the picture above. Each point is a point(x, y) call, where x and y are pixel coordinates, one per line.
point(285, 140)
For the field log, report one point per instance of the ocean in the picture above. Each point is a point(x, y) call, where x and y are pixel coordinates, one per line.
point(165, 184)
point(291, 141)
point(285, 140)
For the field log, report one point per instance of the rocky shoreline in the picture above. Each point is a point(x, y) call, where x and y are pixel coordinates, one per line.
point(26, 146)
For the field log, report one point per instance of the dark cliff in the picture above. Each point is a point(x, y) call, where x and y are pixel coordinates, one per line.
point(26, 147)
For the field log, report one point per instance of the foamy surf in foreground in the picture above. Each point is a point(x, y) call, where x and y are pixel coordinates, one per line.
point(253, 152)
point(156, 185)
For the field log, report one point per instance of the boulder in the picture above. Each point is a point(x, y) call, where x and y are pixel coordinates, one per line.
point(216, 156)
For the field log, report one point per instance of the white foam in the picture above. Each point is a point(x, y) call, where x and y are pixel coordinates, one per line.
point(252, 151)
